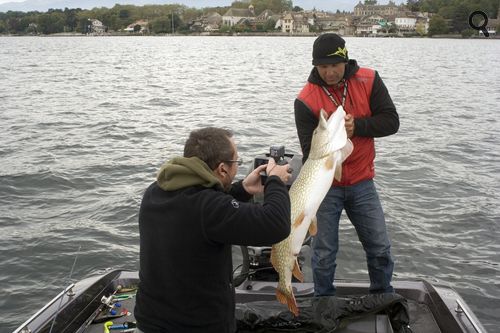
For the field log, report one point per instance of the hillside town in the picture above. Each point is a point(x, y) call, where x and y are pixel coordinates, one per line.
point(366, 20)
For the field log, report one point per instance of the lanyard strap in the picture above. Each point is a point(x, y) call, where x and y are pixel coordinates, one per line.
point(329, 94)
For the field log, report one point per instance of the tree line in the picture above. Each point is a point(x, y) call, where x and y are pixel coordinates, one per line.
point(118, 17)
point(451, 16)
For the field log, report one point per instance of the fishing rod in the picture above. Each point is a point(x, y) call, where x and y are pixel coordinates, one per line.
point(62, 296)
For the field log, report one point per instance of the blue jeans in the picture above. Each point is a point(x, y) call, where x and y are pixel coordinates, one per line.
point(362, 205)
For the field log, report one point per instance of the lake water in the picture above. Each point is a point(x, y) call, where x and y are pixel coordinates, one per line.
point(85, 122)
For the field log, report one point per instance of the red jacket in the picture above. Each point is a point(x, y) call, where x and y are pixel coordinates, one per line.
point(367, 100)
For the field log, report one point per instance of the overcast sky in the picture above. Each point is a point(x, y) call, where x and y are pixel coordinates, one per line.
point(330, 5)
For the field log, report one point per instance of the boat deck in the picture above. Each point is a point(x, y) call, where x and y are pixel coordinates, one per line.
point(80, 308)
point(421, 320)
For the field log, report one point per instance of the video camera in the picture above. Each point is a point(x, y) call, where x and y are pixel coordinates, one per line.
point(276, 152)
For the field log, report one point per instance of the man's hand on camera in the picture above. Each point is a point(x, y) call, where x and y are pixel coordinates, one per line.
point(252, 183)
point(282, 171)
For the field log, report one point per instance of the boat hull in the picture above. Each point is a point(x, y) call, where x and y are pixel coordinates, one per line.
point(80, 308)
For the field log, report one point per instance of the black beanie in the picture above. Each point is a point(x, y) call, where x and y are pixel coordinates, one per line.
point(329, 48)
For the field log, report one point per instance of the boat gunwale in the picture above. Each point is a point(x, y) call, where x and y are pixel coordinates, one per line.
point(438, 298)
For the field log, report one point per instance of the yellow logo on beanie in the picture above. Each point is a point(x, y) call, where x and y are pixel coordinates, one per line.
point(341, 52)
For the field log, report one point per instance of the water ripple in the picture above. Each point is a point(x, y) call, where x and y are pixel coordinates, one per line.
point(82, 137)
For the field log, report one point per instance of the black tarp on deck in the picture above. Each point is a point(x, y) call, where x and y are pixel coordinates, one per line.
point(321, 314)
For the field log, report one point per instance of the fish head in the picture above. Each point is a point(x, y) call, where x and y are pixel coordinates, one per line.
point(330, 135)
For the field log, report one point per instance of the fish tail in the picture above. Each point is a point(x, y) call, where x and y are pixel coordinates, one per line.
point(286, 297)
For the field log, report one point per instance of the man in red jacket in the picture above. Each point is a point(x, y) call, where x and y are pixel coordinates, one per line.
point(337, 80)
point(189, 218)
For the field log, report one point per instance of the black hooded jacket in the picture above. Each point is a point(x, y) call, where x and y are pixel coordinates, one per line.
point(186, 233)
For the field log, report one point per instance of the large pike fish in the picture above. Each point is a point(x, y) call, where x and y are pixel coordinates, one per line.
point(329, 148)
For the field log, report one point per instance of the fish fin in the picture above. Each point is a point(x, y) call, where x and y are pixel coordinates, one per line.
point(323, 115)
point(338, 173)
point(281, 296)
point(298, 220)
point(346, 150)
point(344, 154)
point(313, 227)
point(289, 300)
point(329, 163)
point(296, 271)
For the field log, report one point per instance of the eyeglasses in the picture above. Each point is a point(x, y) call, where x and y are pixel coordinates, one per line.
point(239, 161)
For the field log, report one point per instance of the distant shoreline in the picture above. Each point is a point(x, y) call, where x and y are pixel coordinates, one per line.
point(241, 34)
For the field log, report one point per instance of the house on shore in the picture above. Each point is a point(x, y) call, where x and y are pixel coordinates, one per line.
point(385, 10)
point(235, 15)
point(369, 25)
point(295, 22)
point(140, 26)
point(492, 25)
point(95, 27)
point(339, 23)
point(207, 23)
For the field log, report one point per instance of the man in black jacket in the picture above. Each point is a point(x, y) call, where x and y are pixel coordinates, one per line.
point(188, 221)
